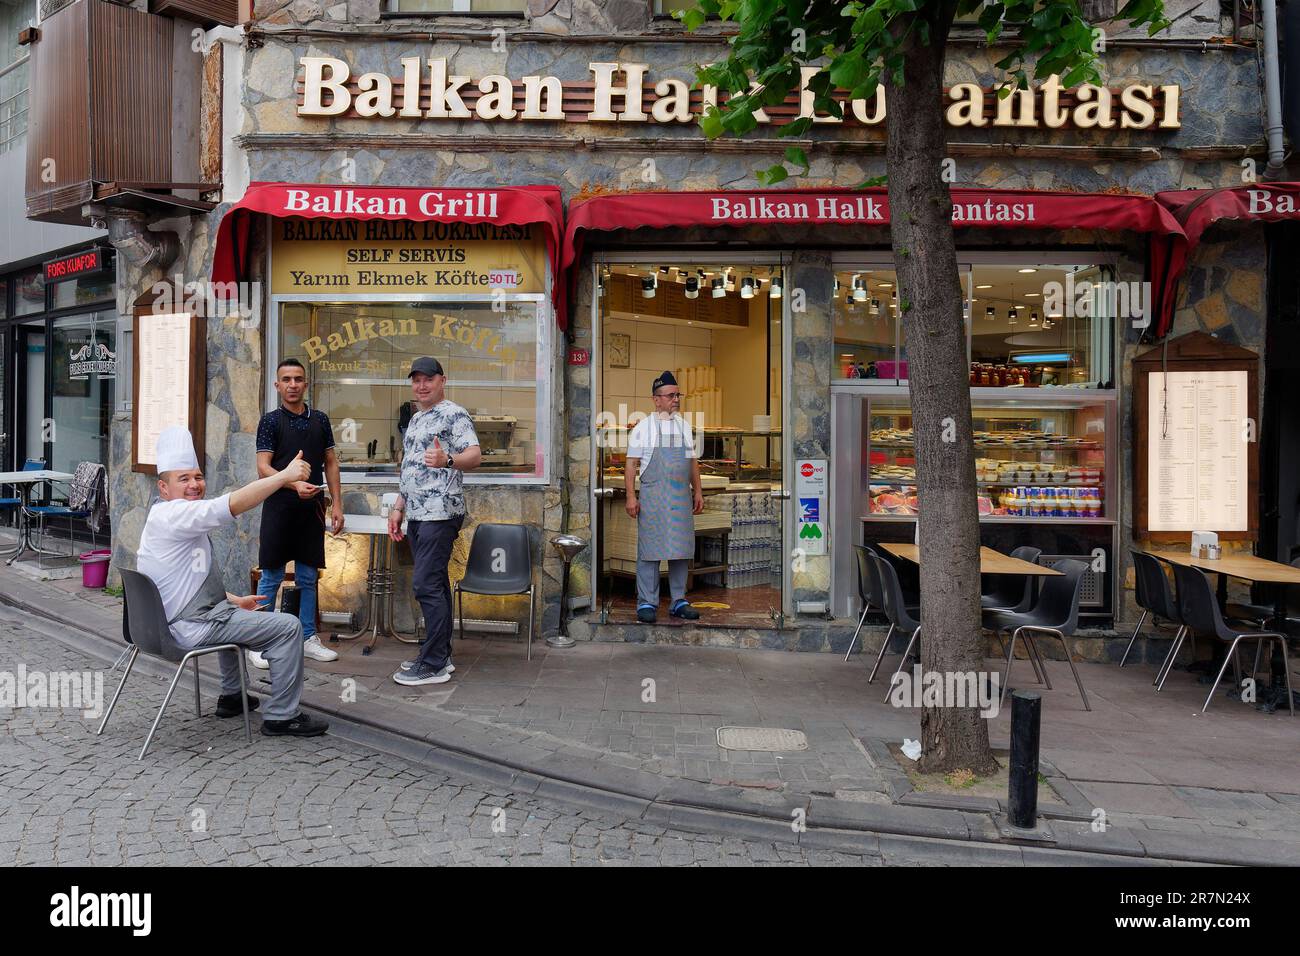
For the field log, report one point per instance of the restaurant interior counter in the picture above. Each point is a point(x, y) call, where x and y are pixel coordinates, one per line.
point(1046, 470)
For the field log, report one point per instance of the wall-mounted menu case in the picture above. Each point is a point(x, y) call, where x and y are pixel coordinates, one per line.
point(1045, 457)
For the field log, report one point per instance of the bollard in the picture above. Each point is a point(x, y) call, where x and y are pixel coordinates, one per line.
point(1022, 774)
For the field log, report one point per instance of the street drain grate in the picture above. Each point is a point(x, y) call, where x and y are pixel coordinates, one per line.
point(761, 738)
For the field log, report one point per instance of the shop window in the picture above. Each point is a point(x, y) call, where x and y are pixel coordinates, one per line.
point(29, 292)
point(457, 6)
point(85, 357)
point(14, 16)
point(1028, 325)
point(4, 298)
point(358, 354)
point(82, 291)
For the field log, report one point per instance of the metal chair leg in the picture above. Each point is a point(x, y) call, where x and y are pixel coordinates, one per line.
point(1286, 671)
point(243, 696)
point(1259, 647)
point(1011, 653)
point(198, 705)
point(1070, 660)
point(460, 610)
point(166, 700)
point(132, 651)
point(121, 657)
point(1232, 652)
point(1036, 658)
point(531, 602)
point(1162, 673)
point(861, 617)
point(906, 654)
point(1142, 620)
point(881, 656)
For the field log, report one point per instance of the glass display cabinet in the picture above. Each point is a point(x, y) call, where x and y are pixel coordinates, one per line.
point(1046, 469)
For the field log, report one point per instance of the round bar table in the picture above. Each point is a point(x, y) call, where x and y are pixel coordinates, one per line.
point(379, 581)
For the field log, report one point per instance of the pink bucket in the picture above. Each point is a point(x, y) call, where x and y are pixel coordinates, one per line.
point(94, 568)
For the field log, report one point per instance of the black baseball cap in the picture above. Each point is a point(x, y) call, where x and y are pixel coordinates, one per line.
point(426, 365)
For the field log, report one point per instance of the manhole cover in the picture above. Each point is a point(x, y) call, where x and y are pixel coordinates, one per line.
point(761, 738)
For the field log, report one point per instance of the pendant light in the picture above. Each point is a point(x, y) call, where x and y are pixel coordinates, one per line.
point(719, 287)
point(747, 287)
point(775, 291)
point(648, 287)
point(692, 287)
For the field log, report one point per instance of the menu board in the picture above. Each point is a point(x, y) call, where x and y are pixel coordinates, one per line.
point(165, 392)
point(1199, 442)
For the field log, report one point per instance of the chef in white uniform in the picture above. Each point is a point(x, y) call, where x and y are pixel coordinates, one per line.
point(176, 554)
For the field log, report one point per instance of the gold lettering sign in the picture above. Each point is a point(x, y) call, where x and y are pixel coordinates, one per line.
point(380, 256)
point(620, 92)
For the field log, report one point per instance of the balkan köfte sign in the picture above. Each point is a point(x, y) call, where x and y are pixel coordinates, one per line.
point(623, 93)
point(89, 262)
point(384, 256)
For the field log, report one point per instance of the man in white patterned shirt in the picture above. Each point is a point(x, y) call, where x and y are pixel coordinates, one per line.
point(439, 446)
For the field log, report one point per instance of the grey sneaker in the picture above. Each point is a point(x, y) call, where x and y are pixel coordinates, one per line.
point(418, 676)
point(407, 665)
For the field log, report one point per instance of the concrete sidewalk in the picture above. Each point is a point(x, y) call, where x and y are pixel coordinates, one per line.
point(636, 726)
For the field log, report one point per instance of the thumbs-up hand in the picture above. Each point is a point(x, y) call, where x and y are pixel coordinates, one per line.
point(435, 457)
point(296, 470)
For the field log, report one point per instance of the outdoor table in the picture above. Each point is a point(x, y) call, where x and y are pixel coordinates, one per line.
point(991, 562)
point(379, 580)
point(1247, 567)
point(25, 480)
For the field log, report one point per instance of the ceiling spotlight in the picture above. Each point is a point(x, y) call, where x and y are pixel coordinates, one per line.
point(648, 287)
point(719, 287)
point(692, 287)
point(1026, 271)
point(985, 286)
point(875, 306)
point(747, 287)
point(663, 270)
point(836, 290)
point(1012, 315)
point(860, 290)
point(989, 313)
point(965, 310)
point(1033, 317)
point(849, 303)
point(775, 291)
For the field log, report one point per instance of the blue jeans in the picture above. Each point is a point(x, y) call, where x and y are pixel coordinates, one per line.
point(304, 577)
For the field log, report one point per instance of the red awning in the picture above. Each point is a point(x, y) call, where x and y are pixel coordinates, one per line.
point(1196, 209)
point(504, 205)
point(985, 208)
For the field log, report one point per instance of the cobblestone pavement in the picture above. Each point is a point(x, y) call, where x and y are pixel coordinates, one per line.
point(204, 796)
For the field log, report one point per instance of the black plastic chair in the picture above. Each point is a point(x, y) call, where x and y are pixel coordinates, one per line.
point(1013, 592)
point(1155, 598)
point(1056, 612)
point(145, 629)
point(868, 591)
point(1263, 613)
point(1200, 613)
point(900, 617)
point(500, 562)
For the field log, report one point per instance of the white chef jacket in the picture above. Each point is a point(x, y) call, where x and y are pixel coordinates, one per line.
point(670, 431)
point(175, 554)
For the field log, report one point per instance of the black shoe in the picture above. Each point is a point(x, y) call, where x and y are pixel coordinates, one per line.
point(646, 615)
point(303, 725)
point(684, 610)
point(228, 705)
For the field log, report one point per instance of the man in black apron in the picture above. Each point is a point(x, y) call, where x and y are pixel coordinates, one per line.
point(661, 452)
point(293, 519)
point(176, 554)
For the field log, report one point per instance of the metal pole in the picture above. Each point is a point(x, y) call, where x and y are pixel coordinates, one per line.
point(1022, 776)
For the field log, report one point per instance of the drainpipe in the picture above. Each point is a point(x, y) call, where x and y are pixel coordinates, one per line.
point(1272, 92)
point(131, 237)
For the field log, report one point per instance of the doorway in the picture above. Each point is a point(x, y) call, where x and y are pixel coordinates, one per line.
point(718, 327)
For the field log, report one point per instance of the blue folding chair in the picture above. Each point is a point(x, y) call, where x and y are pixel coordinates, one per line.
point(15, 504)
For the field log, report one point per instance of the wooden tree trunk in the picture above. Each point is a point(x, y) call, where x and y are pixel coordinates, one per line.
point(930, 301)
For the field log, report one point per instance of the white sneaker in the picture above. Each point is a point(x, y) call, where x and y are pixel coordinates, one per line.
point(258, 661)
point(313, 648)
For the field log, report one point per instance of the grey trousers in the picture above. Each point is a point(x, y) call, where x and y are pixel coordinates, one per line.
point(431, 543)
point(278, 638)
point(647, 581)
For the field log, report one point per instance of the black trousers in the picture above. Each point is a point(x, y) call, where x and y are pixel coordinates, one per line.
point(431, 543)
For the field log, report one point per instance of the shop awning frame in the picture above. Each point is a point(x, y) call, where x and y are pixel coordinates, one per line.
point(980, 208)
point(509, 205)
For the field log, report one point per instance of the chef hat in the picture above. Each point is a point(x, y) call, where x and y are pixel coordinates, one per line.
point(176, 450)
point(667, 378)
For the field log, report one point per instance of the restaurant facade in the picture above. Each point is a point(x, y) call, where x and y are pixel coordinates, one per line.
point(527, 196)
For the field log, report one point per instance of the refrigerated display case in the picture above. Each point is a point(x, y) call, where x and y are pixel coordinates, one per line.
point(1047, 472)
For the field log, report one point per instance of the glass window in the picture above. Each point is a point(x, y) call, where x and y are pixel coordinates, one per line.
point(1029, 325)
point(29, 292)
point(457, 6)
point(358, 354)
point(85, 367)
point(15, 15)
point(4, 298)
point(82, 291)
